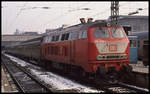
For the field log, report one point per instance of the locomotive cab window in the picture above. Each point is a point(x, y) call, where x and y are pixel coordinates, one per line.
point(101, 33)
point(117, 33)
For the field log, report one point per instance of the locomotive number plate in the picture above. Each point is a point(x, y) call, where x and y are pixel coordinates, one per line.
point(112, 47)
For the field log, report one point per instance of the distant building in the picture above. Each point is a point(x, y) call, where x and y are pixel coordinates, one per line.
point(18, 32)
point(137, 23)
point(30, 33)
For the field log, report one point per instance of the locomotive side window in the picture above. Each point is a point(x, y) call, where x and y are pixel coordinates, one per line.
point(49, 39)
point(82, 34)
point(101, 33)
point(57, 37)
point(46, 39)
point(73, 36)
point(53, 38)
point(63, 37)
point(67, 36)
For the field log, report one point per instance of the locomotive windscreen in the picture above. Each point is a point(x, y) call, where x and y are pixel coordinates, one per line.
point(101, 33)
point(117, 33)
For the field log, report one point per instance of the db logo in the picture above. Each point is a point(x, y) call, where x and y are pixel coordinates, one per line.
point(112, 47)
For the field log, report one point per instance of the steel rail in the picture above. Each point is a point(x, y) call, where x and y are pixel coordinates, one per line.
point(20, 86)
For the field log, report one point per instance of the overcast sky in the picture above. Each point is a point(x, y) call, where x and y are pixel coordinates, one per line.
point(31, 16)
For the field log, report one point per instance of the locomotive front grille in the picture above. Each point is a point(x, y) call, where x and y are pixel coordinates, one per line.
point(112, 57)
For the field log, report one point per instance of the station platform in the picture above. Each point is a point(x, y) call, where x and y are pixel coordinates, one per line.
point(139, 67)
point(7, 85)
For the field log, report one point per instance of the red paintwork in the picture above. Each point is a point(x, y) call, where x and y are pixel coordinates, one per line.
point(82, 52)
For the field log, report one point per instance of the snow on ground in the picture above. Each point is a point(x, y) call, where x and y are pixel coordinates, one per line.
point(21, 62)
point(61, 83)
point(57, 82)
point(135, 87)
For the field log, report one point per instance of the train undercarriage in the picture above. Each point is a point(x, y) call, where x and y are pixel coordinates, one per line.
point(112, 76)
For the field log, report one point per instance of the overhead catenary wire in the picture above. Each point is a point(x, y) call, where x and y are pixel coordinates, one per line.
point(13, 22)
point(62, 15)
point(59, 17)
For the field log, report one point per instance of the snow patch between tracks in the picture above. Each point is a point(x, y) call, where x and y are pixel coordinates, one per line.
point(55, 81)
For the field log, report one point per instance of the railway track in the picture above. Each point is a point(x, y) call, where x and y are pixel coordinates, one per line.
point(106, 86)
point(25, 82)
point(123, 88)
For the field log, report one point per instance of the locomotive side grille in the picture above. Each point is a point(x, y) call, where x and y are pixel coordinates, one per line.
point(112, 57)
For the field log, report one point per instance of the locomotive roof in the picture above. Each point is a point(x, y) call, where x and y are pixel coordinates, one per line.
point(91, 24)
point(98, 23)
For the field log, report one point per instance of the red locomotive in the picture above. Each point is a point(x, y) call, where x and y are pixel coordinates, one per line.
point(90, 48)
